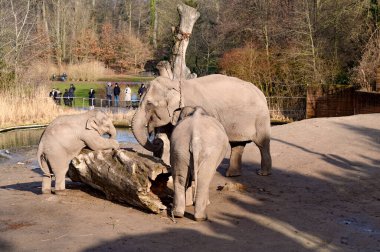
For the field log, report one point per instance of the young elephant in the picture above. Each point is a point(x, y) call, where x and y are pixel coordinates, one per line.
point(65, 137)
point(198, 144)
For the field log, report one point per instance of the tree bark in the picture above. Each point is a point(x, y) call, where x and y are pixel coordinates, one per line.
point(154, 22)
point(182, 35)
point(177, 69)
point(124, 176)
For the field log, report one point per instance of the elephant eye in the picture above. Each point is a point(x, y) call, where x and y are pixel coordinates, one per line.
point(151, 104)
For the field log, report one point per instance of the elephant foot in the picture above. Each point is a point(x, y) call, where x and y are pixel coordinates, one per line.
point(233, 172)
point(263, 172)
point(178, 214)
point(203, 218)
point(46, 191)
point(60, 192)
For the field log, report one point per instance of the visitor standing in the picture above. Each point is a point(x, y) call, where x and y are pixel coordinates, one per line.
point(109, 94)
point(72, 92)
point(142, 90)
point(66, 98)
point(91, 97)
point(51, 93)
point(72, 88)
point(128, 98)
point(116, 93)
point(56, 96)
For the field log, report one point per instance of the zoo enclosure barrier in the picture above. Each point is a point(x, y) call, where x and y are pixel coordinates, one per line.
point(340, 101)
point(287, 109)
point(281, 108)
point(84, 103)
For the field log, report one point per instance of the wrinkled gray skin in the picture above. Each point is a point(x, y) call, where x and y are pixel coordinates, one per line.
point(197, 146)
point(238, 105)
point(65, 137)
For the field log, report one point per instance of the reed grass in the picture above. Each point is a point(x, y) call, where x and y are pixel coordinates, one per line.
point(85, 71)
point(27, 108)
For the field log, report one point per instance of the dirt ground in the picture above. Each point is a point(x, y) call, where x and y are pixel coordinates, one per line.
point(323, 195)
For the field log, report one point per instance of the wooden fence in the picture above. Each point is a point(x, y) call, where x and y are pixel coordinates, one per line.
point(340, 101)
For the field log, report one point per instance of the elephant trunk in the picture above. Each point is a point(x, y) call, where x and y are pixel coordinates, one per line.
point(140, 131)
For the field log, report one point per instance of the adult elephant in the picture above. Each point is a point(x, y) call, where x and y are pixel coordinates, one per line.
point(238, 105)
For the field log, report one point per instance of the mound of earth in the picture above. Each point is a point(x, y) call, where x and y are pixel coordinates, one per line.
point(323, 195)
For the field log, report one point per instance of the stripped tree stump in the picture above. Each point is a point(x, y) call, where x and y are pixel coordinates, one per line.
point(124, 176)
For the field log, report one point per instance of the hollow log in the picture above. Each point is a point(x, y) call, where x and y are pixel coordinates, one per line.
point(124, 176)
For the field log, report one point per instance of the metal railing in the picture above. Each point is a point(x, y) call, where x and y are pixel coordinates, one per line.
point(86, 103)
point(280, 107)
point(284, 108)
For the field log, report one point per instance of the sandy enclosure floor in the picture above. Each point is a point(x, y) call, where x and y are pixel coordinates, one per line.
point(323, 195)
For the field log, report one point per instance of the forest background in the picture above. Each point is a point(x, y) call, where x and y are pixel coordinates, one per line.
point(282, 46)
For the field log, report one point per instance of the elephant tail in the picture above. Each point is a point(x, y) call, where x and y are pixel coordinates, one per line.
point(195, 152)
point(42, 161)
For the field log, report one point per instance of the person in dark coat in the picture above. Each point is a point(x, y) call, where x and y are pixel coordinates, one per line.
point(56, 96)
point(66, 98)
point(91, 96)
point(109, 93)
point(116, 93)
point(142, 90)
point(72, 88)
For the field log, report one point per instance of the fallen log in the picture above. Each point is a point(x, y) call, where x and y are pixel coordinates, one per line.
point(124, 176)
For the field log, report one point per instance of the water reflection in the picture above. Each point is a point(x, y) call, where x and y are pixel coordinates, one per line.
point(29, 137)
point(20, 138)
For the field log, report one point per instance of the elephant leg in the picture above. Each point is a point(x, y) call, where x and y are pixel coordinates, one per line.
point(266, 159)
point(46, 179)
point(60, 166)
point(190, 195)
point(46, 184)
point(237, 149)
point(204, 178)
point(179, 196)
point(181, 175)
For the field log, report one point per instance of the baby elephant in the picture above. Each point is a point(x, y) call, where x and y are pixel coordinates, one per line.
point(198, 144)
point(65, 137)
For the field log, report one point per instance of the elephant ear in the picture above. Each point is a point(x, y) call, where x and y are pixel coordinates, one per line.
point(181, 113)
point(175, 117)
point(173, 100)
point(200, 111)
point(92, 124)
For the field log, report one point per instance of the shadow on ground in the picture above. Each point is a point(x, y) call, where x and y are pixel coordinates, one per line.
point(287, 211)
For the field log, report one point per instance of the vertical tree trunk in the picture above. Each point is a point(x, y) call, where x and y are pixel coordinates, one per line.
point(312, 44)
point(63, 33)
point(178, 69)
point(44, 19)
point(58, 49)
point(188, 17)
point(139, 21)
point(129, 17)
point(154, 22)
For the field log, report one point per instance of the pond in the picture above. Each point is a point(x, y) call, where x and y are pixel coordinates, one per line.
point(29, 137)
